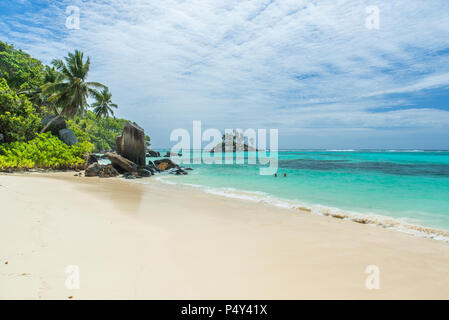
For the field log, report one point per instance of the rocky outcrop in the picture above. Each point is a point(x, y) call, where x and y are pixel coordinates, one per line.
point(120, 163)
point(221, 147)
point(144, 173)
point(131, 175)
point(168, 166)
point(68, 137)
point(92, 170)
point(178, 171)
point(172, 154)
point(56, 125)
point(107, 171)
point(162, 166)
point(165, 164)
point(98, 170)
point(131, 144)
point(91, 159)
point(153, 154)
point(129, 169)
point(141, 173)
point(118, 144)
point(151, 166)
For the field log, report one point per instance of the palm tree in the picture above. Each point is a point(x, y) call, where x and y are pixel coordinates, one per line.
point(103, 104)
point(72, 90)
point(37, 96)
point(51, 75)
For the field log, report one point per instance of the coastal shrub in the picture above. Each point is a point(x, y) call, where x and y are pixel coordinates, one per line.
point(29, 91)
point(81, 134)
point(45, 151)
point(19, 68)
point(102, 132)
point(18, 119)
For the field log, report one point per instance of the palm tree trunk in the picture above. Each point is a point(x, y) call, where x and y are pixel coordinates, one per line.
point(49, 123)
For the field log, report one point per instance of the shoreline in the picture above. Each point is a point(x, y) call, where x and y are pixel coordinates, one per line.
point(154, 241)
point(382, 221)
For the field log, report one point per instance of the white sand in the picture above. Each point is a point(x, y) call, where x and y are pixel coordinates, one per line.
point(157, 241)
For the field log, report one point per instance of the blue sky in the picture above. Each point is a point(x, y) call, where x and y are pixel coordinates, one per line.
point(309, 68)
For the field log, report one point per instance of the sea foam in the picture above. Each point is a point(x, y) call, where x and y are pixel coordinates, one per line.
point(362, 218)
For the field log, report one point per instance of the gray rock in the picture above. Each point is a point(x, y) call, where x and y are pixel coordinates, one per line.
point(172, 154)
point(151, 169)
point(56, 125)
point(131, 144)
point(93, 170)
point(91, 159)
point(160, 164)
point(222, 147)
point(120, 163)
point(151, 166)
point(131, 175)
point(107, 171)
point(180, 171)
point(98, 170)
point(177, 171)
point(68, 137)
point(144, 173)
point(153, 154)
point(118, 143)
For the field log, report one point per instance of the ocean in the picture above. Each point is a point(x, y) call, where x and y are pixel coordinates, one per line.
point(392, 188)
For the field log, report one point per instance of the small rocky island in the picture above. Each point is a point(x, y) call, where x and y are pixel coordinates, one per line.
point(222, 147)
point(130, 158)
point(232, 142)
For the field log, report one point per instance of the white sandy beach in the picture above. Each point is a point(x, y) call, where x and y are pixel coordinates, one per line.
point(156, 241)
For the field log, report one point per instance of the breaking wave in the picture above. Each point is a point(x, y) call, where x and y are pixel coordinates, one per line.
point(370, 219)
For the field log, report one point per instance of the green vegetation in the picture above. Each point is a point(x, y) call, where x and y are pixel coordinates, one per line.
point(18, 118)
point(70, 91)
point(30, 91)
point(44, 151)
point(20, 70)
point(103, 106)
point(102, 132)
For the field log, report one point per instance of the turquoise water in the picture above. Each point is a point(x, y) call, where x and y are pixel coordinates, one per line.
point(412, 186)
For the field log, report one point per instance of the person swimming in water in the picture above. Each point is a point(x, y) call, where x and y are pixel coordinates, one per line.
point(275, 175)
point(285, 175)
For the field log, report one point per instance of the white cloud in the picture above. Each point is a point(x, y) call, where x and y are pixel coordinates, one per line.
point(249, 63)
